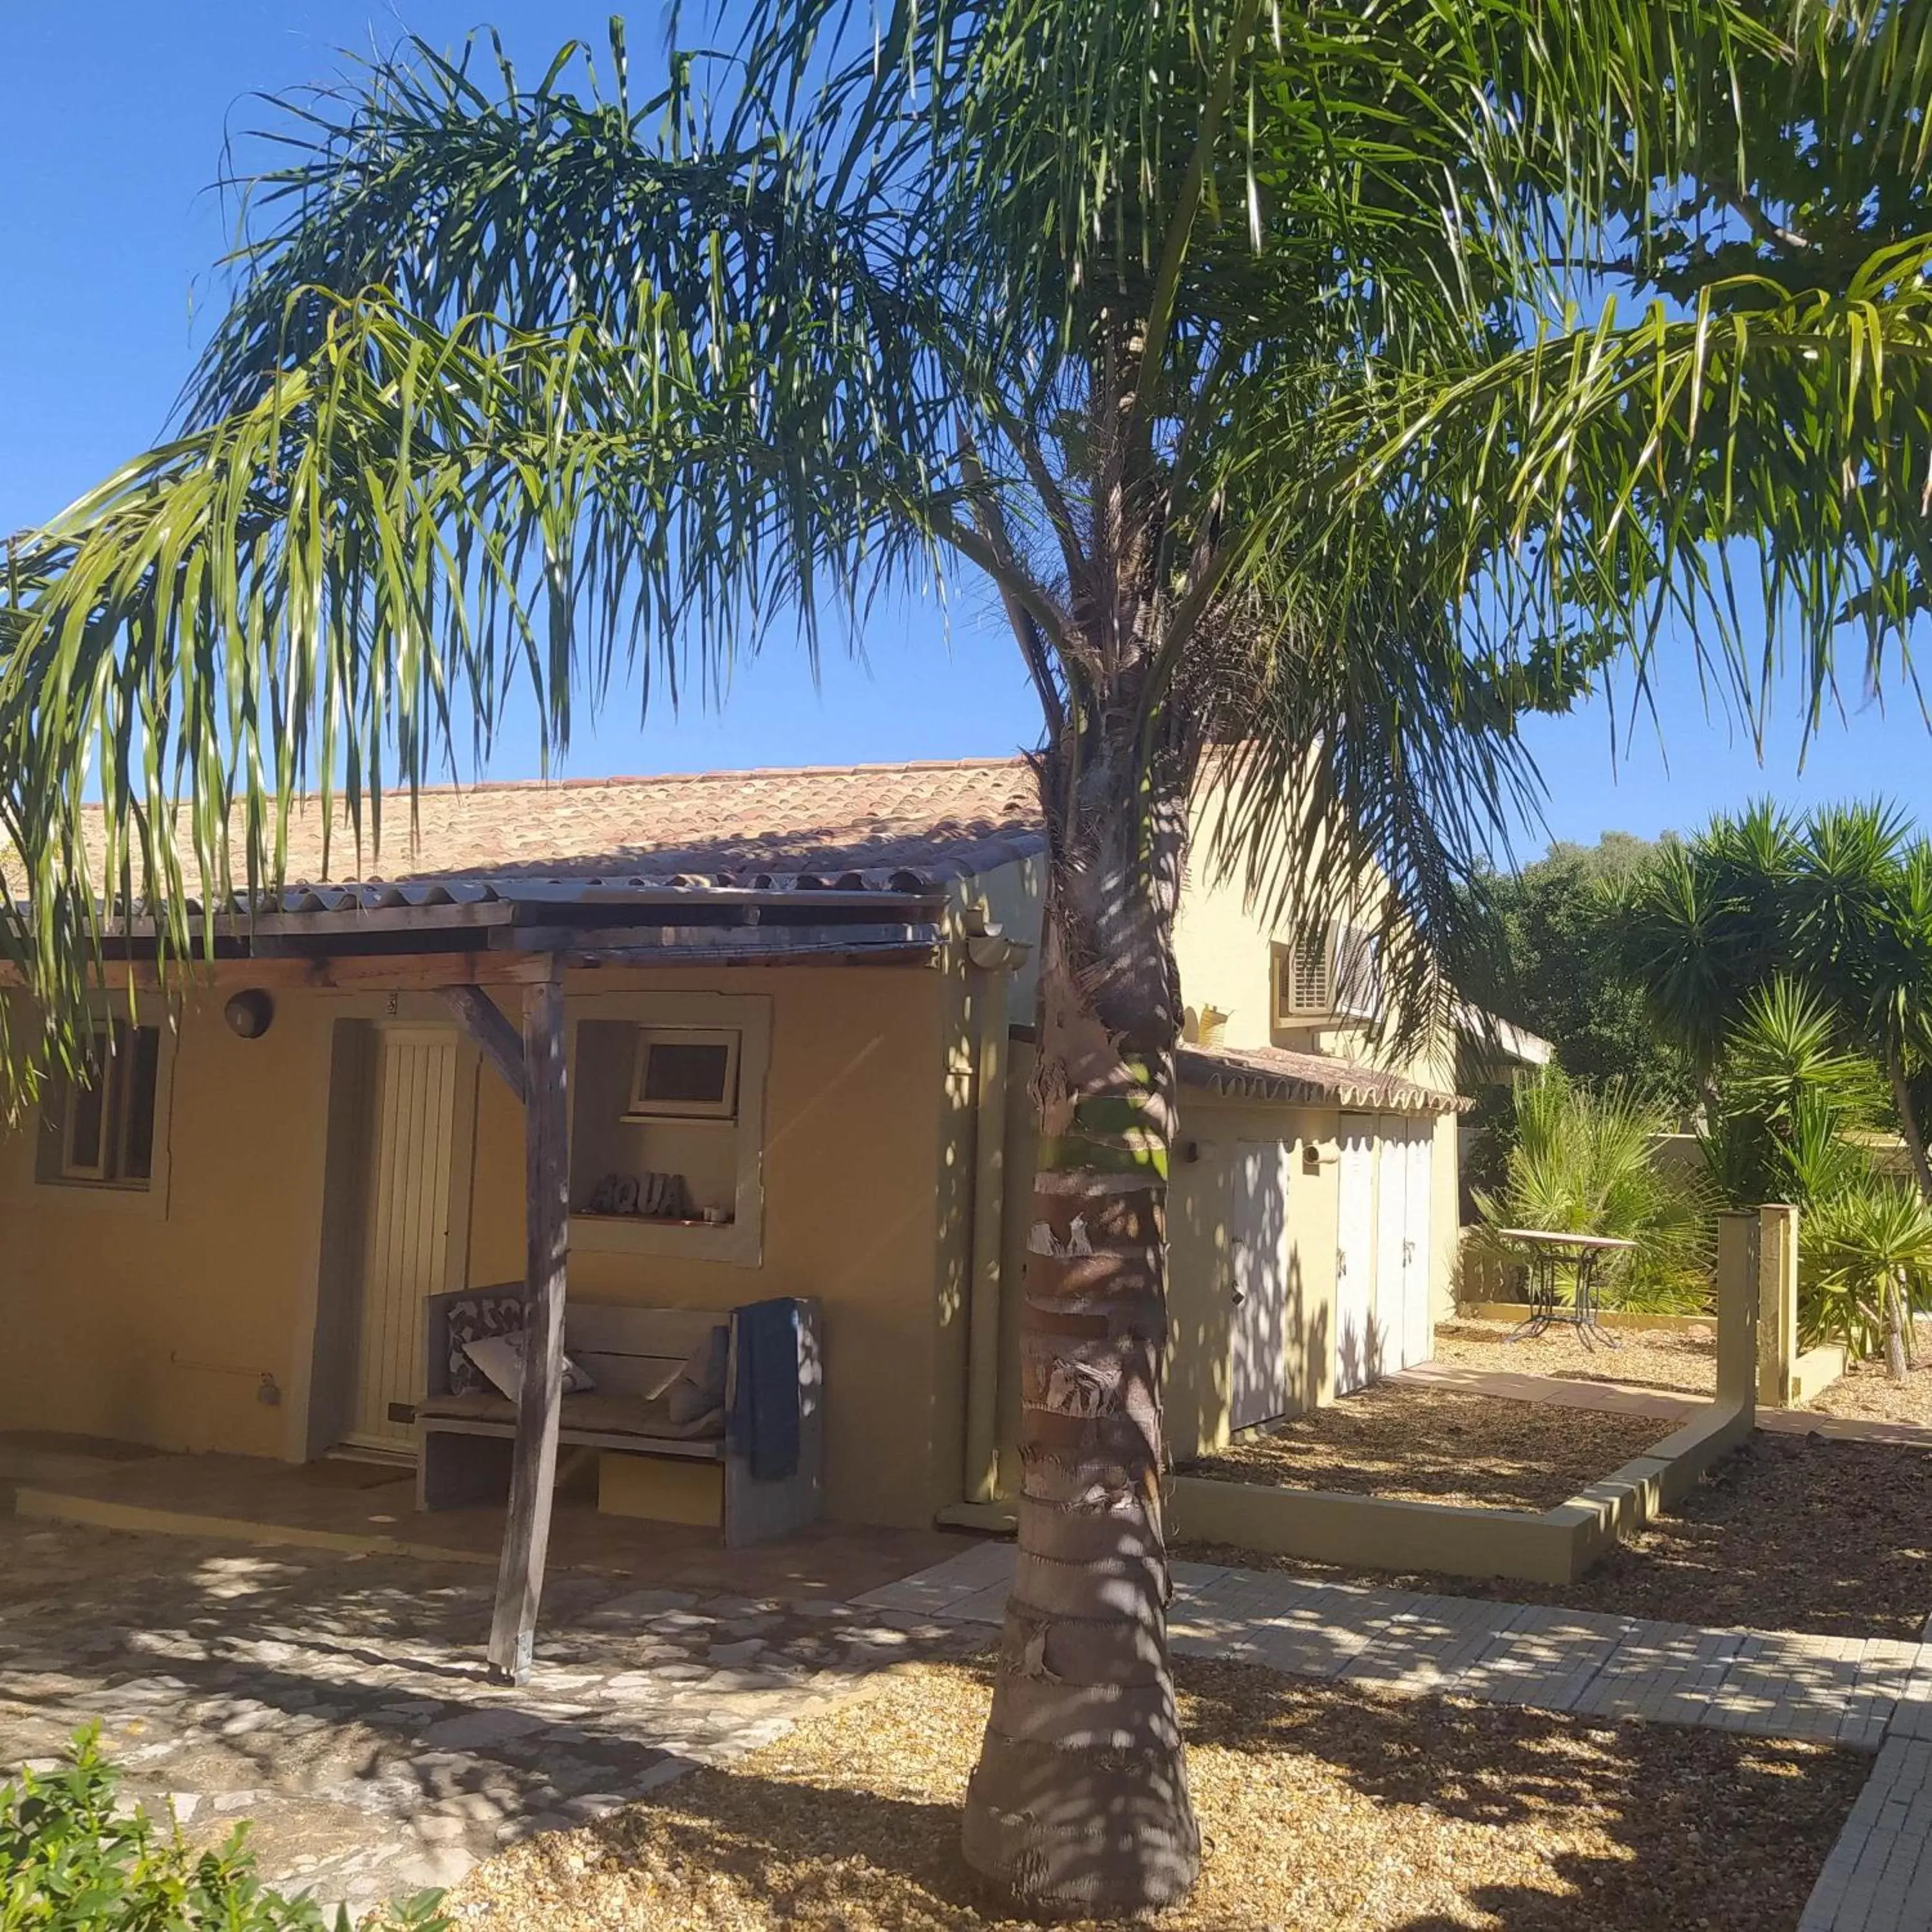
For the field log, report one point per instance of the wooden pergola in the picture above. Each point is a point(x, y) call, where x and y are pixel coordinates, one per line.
point(459, 940)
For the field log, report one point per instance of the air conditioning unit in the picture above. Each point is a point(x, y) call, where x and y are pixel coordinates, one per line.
point(1331, 972)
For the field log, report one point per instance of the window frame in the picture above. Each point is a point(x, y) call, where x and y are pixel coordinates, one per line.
point(724, 1109)
point(56, 1173)
point(738, 1242)
point(1342, 941)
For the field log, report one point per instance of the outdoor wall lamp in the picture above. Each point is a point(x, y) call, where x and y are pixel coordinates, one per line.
point(249, 1015)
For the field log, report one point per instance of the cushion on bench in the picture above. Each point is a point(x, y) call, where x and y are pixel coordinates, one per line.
point(593, 1414)
point(476, 1318)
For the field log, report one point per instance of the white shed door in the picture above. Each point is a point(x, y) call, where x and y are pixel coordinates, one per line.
point(405, 1244)
point(1258, 1323)
point(1358, 1348)
point(1419, 1326)
point(1391, 1315)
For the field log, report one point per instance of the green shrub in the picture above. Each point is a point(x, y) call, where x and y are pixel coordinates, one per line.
point(1865, 1265)
point(1583, 1163)
point(69, 1863)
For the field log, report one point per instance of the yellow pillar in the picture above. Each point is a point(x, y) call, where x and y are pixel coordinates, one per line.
point(1738, 1246)
point(1777, 1305)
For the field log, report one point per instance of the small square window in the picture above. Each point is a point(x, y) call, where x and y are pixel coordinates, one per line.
point(682, 1073)
point(99, 1131)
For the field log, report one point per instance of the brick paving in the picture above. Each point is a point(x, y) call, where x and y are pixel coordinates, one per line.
point(1878, 1877)
point(1844, 1691)
point(1862, 1693)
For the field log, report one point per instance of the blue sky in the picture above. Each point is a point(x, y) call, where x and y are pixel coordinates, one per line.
point(117, 110)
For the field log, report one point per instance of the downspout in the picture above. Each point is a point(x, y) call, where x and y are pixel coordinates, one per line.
point(990, 959)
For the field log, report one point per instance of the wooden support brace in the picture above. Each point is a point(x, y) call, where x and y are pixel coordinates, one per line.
point(482, 1021)
point(547, 1210)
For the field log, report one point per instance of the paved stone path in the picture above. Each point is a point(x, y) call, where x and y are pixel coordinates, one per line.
point(1844, 1690)
point(1870, 1694)
point(338, 1701)
point(1878, 1877)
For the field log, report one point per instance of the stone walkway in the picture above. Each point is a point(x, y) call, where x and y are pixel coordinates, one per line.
point(1844, 1690)
point(1864, 1693)
point(338, 1701)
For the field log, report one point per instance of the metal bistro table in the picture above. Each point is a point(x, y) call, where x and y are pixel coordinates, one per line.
point(1547, 1251)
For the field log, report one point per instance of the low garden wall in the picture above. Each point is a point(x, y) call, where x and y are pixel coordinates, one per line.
point(1554, 1546)
point(1609, 1317)
point(1371, 1532)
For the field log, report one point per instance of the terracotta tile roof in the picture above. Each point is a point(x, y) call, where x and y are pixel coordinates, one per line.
point(900, 828)
point(1276, 1073)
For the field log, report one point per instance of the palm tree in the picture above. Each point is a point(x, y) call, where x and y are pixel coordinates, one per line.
point(1292, 375)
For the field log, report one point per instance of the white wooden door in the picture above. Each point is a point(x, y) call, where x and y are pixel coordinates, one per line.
point(1419, 1328)
point(1391, 1315)
point(406, 1238)
point(1357, 1349)
point(1258, 1322)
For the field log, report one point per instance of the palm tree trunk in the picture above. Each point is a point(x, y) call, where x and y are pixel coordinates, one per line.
point(1908, 1123)
point(1079, 1803)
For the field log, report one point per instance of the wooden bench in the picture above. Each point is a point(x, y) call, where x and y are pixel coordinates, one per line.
point(463, 1442)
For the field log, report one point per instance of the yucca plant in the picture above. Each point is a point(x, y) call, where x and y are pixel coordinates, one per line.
point(1317, 389)
point(1866, 1265)
point(1795, 1102)
point(1840, 906)
point(1584, 1161)
point(1792, 1096)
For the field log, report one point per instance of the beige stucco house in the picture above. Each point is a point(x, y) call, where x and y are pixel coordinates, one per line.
point(829, 972)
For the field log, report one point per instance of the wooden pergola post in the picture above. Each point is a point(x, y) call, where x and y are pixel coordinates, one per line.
point(547, 1218)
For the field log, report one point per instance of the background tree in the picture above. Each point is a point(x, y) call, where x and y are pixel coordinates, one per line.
point(1553, 961)
point(1288, 372)
point(1840, 903)
point(1557, 967)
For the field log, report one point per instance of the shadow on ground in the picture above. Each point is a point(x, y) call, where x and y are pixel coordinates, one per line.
point(1788, 1533)
point(1322, 1806)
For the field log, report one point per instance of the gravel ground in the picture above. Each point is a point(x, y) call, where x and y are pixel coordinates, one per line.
point(1420, 1444)
point(1684, 1363)
point(1321, 1807)
point(1866, 1391)
point(1788, 1533)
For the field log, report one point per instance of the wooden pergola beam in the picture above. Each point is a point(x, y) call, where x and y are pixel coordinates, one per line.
point(482, 1021)
point(336, 972)
point(539, 1408)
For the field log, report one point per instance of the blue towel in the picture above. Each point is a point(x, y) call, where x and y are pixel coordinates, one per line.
point(765, 1404)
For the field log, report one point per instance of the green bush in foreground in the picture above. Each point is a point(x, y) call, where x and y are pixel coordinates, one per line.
point(68, 1863)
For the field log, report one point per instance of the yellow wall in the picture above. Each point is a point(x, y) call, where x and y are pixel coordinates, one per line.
point(124, 1320)
point(155, 1326)
point(857, 1123)
point(1224, 942)
point(1200, 1262)
point(1200, 1293)
point(127, 1321)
